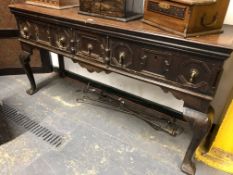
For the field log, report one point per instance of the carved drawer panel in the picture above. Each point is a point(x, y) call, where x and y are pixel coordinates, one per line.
point(36, 31)
point(154, 62)
point(199, 74)
point(42, 33)
point(123, 54)
point(26, 29)
point(62, 38)
point(181, 69)
point(91, 46)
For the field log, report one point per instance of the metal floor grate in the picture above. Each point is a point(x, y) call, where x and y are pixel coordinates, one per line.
point(30, 125)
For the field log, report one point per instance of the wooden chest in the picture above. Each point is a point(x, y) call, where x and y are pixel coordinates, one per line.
point(123, 10)
point(57, 4)
point(186, 17)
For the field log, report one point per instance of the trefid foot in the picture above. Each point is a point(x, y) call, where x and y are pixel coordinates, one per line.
point(188, 168)
point(31, 91)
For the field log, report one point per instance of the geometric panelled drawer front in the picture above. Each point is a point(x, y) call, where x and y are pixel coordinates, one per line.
point(26, 29)
point(42, 33)
point(61, 38)
point(183, 70)
point(91, 45)
point(122, 54)
point(155, 62)
point(201, 75)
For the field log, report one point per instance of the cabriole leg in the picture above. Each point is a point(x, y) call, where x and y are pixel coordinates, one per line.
point(25, 61)
point(201, 125)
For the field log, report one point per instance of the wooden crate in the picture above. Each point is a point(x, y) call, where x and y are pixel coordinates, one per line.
point(57, 4)
point(186, 17)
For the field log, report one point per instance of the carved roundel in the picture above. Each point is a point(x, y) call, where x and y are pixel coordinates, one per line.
point(195, 74)
point(62, 39)
point(25, 29)
point(122, 55)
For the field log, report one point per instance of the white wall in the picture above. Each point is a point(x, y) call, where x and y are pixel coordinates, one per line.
point(154, 93)
point(229, 16)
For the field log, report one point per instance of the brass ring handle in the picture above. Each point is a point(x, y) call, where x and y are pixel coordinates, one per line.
point(143, 60)
point(144, 57)
point(61, 42)
point(210, 24)
point(193, 75)
point(167, 63)
point(121, 58)
point(89, 48)
point(25, 32)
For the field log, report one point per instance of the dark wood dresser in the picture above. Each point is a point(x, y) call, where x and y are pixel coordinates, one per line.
point(188, 68)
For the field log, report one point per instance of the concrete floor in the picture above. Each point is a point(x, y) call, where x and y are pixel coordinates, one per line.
point(96, 141)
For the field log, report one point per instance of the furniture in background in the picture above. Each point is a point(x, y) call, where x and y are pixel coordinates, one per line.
point(186, 18)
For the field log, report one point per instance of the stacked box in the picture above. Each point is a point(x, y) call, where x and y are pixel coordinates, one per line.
point(57, 4)
point(123, 10)
point(186, 17)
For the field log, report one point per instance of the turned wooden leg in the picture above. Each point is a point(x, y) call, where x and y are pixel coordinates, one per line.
point(61, 66)
point(201, 125)
point(25, 61)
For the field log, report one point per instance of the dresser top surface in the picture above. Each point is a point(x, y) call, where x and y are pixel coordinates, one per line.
point(224, 40)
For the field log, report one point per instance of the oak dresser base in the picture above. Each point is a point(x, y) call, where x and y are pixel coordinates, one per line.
point(189, 69)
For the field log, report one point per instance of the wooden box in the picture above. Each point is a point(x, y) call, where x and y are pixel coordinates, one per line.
point(123, 10)
point(57, 4)
point(186, 17)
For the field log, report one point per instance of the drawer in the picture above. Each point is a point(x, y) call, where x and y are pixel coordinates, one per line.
point(187, 71)
point(26, 29)
point(199, 74)
point(38, 32)
point(154, 62)
point(135, 57)
point(57, 36)
point(42, 33)
point(91, 46)
point(62, 38)
point(123, 54)
point(181, 69)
